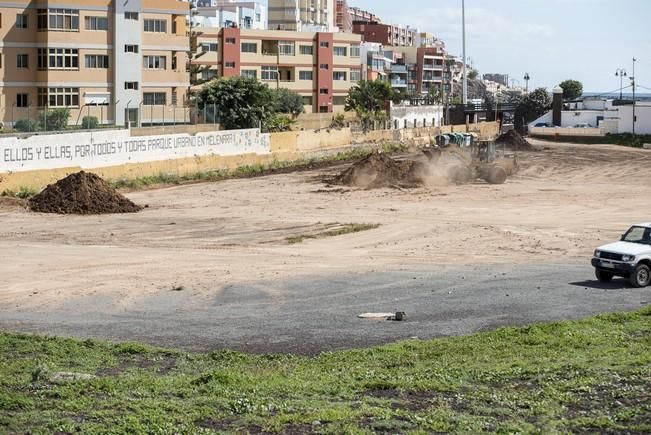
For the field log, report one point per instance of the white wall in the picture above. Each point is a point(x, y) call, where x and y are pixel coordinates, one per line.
point(643, 115)
point(422, 116)
point(571, 118)
point(102, 148)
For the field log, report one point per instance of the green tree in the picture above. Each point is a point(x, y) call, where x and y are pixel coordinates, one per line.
point(532, 106)
point(54, 119)
point(239, 102)
point(473, 74)
point(370, 101)
point(288, 102)
point(572, 89)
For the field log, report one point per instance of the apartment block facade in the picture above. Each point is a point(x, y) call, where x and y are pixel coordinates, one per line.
point(85, 54)
point(343, 18)
point(302, 15)
point(386, 34)
point(231, 13)
point(319, 66)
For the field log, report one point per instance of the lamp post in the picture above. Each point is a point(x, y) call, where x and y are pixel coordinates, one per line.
point(621, 73)
point(463, 31)
point(633, 84)
point(526, 81)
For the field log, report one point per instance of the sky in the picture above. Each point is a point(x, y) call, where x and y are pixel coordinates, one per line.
point(552, 40)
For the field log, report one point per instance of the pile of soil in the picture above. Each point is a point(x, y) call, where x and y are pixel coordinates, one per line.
point(515, 141)
point(375, 171)
point(81, 193)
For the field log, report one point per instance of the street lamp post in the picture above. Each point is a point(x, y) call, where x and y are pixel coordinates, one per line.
point(526, 81)
point(463, 31)
point(633, 84)
point(621, 73)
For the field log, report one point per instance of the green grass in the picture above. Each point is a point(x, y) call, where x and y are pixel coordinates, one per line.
point(339, 231)
point(592, 375)
point(22, 193)
point(246, 171)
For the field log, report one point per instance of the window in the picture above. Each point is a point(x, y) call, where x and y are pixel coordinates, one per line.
point(154, 98)
point(355, 75)
point(339, 100)
point(229, 64)
point(129, 48)
point(307, 101)
point(269, 73)
point(21, 100)
point(131, 86)
point(22, 61)
point(21, 21)
point(97, 61)
point(339, 51)
point(174, 61)
point(286, 48)
point(324, 44)
point(229, 41)
point(306, 49)
point(324, 66)
point(339, 75)
point(324, 91)
point(354, 51)
point(249, 47)
point(58, 97)
point(96, 23)
point(158, 26)
point(305, 75)
point(208, 74)
point(154, 62)
point(58, 19)
point(58, 58)
point(175, 97)
point(249, 73)
point(131, 16)
point(209, 46)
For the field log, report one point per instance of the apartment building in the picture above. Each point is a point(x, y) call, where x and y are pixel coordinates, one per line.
point(302, 15)
point(319, 66)
point(386, 34)
point(343, 19)
point(231, 13)
point(362, 16)
point(117, 55)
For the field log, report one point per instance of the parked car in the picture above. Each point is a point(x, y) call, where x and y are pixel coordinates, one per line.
point(543, 124)
point(629, 258)
point(582, 125)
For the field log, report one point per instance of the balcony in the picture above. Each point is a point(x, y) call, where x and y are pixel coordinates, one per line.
point(398, 83)
point(395, 68)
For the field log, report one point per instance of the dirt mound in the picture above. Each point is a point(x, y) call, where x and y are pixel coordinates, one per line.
point(81, 193)
point(514, 140)
point(375, 171)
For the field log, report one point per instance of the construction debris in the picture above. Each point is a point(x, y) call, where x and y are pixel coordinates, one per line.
point(515, 141)
point(397, 316)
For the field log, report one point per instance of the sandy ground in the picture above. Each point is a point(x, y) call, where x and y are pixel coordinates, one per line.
point(207, 238)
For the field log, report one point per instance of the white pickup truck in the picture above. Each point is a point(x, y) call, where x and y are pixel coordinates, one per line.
point(629, 258)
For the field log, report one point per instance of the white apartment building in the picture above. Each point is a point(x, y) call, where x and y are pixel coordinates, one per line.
point(302, 15)
point(231, 13)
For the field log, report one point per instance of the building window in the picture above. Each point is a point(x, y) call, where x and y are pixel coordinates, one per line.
point(339, 100)
point(129, 48)
point(269, 73)
point(131, 16)
point(133, 86)
point(324, 91)
point(307, 101)
point(21, 100)
point(154, 98)
point(229, 64)
point(21, 21)
point(305, 75)
point(355, 75)
point(58, 19)
point(324, 66)
point(249, 47)
point(209, 46)
point(22, 61)
point(208, 74)
point(97, 61)
point(58, 97)
point(249, 73)
point(58, 58)
point(175, 97)
point(229, 40)
point(324, 44)
point(286, 48)
point(354, 51)
point(339, 75)
point(306, 49)
point(157, 26)
point(339, 51)
point(96, 23)
point(154, 62)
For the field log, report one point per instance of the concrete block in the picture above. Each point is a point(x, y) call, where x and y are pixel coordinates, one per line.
point(647, 146)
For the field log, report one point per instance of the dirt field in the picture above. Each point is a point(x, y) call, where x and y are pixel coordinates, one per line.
point(206, 238)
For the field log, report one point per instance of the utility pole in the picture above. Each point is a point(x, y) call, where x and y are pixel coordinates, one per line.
point(463, 30)
point(526, 81)
point(633, 83)
point(621, 73)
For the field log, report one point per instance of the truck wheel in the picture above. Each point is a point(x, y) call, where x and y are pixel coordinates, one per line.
point(641, 276)
point(496, 175)
point(603, 276)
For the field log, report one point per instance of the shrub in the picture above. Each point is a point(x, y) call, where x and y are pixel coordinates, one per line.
point(26, 125)
point(89, 122)
point(54, 119)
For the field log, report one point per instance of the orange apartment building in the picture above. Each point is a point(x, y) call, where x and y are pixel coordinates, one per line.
point(321, 67)
point(108, 58)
